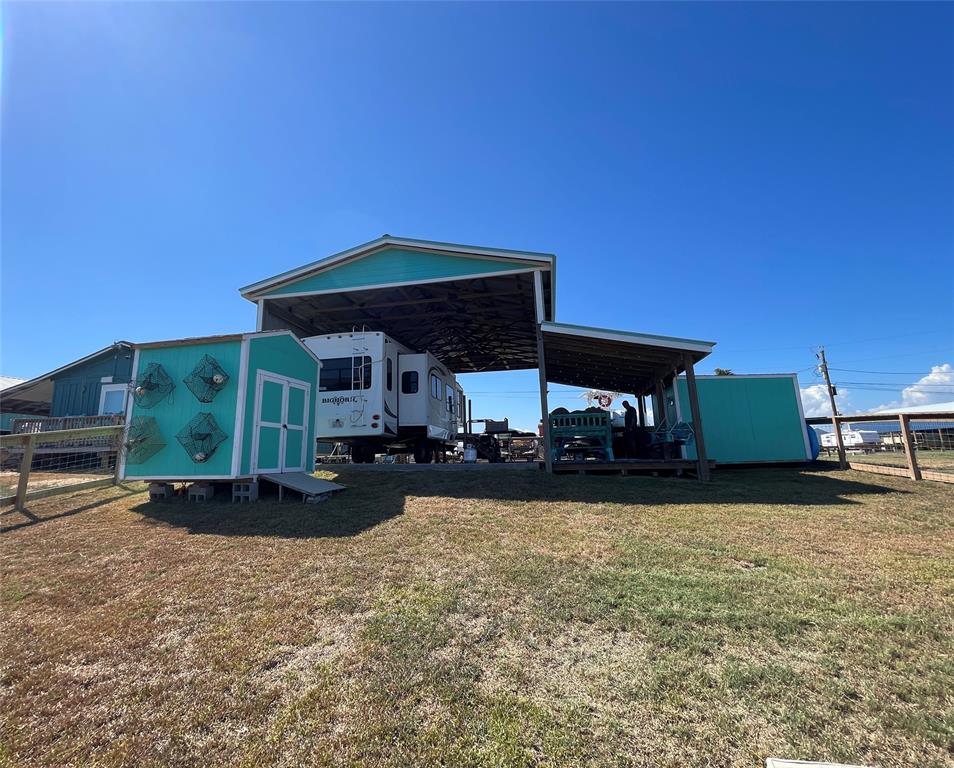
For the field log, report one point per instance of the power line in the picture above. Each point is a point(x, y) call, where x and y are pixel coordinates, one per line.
point(839, 343)
point(886, 373)
point(894, 384)
point(944, 350)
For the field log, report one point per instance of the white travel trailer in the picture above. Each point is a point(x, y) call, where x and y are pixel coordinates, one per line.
point(855, 438)
point(378, 396)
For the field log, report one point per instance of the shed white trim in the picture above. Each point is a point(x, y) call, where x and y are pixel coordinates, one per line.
point(239, 429)
point(130, 401)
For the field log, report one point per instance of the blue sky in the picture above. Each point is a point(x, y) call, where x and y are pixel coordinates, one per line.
point(769, 176)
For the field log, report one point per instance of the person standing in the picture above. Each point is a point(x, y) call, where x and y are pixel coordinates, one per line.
point(630, 423)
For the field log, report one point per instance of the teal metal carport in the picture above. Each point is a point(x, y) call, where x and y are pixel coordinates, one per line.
point(478, 309)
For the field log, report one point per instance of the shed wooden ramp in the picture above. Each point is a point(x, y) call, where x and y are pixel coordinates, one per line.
point(312, 489)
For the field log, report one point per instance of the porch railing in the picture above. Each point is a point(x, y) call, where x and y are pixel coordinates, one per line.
point(59, 423)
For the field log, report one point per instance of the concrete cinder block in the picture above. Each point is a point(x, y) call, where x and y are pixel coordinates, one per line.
point(160, 491)
point(201, 491)
point(245, 491)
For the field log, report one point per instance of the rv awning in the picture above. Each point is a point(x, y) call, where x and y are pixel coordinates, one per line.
point(617, 361)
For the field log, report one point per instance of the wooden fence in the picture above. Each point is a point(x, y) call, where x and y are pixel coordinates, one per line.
point(913, 469)
point(90, 449)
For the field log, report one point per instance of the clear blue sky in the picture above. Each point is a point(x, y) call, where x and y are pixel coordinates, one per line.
point(768, 176)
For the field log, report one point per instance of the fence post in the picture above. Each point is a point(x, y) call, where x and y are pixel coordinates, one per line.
point(25, 463)
point(116, 474)
point(913, 467)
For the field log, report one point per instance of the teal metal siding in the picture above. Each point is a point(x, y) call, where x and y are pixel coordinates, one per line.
point(395, 265)
point(748, 419)
point(76, 391)
point(284, 356)
point(173, 413)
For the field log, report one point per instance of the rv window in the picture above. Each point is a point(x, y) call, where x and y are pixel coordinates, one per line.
point(437, 387)
point(409, 382)
point(390, 375)
point(341, 373)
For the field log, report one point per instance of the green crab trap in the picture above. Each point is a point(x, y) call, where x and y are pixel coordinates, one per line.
point(154, 386)
point(207, 379)
point(143, 440)
point(200, 437)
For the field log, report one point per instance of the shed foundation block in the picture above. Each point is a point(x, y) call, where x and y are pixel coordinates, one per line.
point(247, 491)
point(201, 491)
point(160, 491)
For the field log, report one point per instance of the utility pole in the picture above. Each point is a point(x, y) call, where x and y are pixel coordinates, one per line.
point(823, 367)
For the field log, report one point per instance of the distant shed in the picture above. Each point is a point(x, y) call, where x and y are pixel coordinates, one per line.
point(90, 386)
point(749, 419)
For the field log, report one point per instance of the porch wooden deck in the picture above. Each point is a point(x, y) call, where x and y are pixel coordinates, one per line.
point(629, 466)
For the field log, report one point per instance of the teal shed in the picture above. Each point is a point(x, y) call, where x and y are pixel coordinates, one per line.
point(221, 408)
point(747, 419)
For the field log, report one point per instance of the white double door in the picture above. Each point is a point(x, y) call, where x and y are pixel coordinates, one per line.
point(281, 424)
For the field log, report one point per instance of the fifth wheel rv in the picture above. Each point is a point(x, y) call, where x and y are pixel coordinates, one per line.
point(378, 396)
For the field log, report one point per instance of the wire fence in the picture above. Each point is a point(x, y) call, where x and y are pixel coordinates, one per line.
point(881, 443)
point(44, 463)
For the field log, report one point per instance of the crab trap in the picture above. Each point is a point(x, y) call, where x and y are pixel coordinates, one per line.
point(200, 437)
point(143, 440)
point(153, 386)
point(207, 379)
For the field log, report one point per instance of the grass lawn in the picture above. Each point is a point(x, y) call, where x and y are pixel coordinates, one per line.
point(485, 618)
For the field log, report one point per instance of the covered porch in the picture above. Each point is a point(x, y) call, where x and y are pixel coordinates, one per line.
point(645, 365)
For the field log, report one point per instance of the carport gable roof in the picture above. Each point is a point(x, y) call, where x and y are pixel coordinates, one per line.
point(474, 308)
point(392, 261)
point(619, 361)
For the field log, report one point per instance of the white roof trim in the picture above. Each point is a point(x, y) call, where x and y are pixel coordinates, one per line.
point(366, 248)
point(378, 286)
point(746, 376)
point(687, 345)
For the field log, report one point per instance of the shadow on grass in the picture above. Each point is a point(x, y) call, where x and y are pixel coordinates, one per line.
point(799, 487)
point(373, 498)
point(32, 518)
point(346, 513)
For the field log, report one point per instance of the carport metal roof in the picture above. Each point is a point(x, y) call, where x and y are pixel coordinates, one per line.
point(618, 361)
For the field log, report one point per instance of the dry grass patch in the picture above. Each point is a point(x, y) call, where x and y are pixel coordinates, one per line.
point(485, 619)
